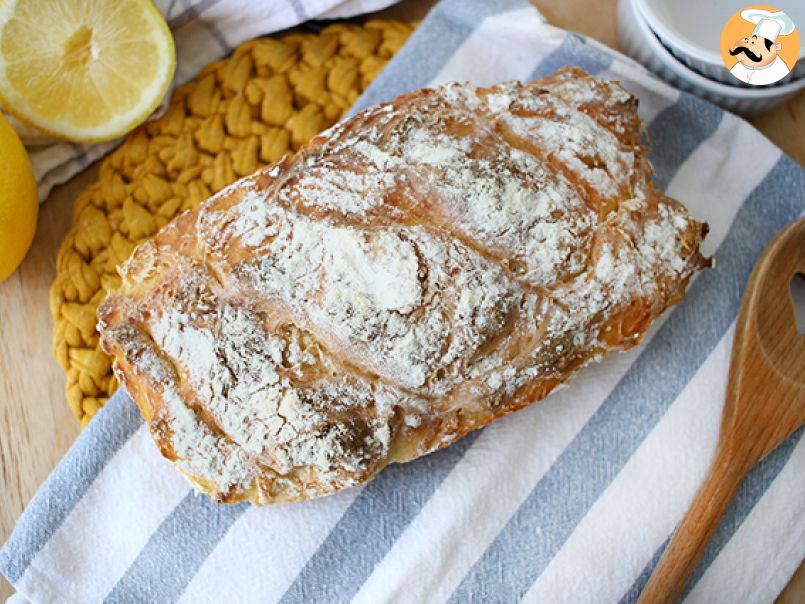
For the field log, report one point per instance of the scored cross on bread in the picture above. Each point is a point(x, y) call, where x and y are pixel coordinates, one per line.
point(413, 273)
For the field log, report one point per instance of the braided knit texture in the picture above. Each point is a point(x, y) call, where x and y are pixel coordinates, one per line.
point(266, 100)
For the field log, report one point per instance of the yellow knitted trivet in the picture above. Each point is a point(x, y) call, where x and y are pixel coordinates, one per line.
point(271, 96)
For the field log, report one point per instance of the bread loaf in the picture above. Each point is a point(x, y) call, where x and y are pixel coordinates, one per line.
point(412, 274)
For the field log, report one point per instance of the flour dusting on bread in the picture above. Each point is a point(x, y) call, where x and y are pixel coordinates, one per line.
point(412, 274)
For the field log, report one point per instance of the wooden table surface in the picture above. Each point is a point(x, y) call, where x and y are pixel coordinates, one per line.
point(36, 427)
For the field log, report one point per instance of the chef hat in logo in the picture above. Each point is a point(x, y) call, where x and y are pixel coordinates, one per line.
point(769, 25)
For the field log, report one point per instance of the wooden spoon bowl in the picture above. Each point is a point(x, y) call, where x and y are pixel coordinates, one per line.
point(764, 405)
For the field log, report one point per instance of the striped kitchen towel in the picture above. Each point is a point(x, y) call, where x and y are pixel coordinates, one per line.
point(203, 30)
point(570, 500)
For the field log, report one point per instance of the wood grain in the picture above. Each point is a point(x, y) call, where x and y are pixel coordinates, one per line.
point(764, 404)
point(36, 428)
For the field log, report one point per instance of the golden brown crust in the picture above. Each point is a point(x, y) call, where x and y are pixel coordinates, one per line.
point(412, 274)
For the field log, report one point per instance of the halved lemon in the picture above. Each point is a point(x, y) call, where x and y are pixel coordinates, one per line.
point(84, 70)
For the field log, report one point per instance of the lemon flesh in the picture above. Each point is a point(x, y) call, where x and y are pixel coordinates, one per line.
point(85, 70)
point(19, 204)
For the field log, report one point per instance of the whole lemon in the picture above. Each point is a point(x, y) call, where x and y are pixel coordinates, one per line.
point(19, 203)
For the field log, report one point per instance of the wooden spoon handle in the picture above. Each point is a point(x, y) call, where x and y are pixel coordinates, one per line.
point(692, 535)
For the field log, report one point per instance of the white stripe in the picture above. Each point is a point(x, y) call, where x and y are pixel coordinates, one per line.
point(652, 492)
point(721, 173)
point(759, 559)
point(264, 550)
point(108, 528)
point(521, 41)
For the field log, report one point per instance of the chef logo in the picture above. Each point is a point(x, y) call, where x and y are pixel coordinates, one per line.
point(759, 45)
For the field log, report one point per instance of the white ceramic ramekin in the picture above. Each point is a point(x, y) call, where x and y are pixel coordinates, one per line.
point(691, 31)
point(639, 41)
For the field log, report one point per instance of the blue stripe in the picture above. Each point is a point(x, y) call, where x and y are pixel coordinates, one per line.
point(445, 28)
point(573, 51)
point(588, 465)
point(216, 35)
point(676, 133)
point(756, 482)
point(94, 447)
point(190, 13)
point(174, 553)
point(299, 10)
point(370, 527)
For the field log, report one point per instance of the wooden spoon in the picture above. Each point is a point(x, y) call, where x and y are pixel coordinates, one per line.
point(765, 403)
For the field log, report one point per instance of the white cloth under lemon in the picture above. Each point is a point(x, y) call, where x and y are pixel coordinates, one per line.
point(203, 30)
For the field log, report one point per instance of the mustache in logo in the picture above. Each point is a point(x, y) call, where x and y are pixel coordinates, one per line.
point(752, 56)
